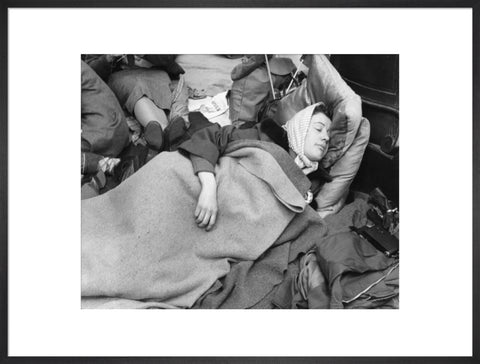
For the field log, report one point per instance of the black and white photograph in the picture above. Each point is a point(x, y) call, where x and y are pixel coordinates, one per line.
point(241, 181)
point(237, 181)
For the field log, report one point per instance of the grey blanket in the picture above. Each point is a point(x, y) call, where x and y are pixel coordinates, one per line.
point(140, 243)
point(252, 284)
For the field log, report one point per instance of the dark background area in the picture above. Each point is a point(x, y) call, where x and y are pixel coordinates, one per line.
point(376, 79)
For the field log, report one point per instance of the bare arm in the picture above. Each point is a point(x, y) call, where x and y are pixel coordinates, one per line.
point(206, 210)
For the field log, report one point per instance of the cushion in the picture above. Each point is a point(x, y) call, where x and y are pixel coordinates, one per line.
point(332, 196)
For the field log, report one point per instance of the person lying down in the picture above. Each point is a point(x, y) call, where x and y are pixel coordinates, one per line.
point(141, 246)
point(306, 135)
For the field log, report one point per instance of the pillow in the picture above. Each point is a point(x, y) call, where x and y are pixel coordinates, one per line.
point(332, 196)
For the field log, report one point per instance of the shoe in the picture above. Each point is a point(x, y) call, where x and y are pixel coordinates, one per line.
point(174, 70)
point(154, 136)
point(175, 133)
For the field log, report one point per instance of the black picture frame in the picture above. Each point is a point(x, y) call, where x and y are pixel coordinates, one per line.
point(5, 5)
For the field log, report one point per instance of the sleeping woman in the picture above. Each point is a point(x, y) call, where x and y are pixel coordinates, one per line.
point(305, 137)
point(142, 248)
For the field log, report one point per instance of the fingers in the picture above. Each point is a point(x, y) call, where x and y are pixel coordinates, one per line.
point(213, 218)
point(205, 217)
point(200, 215)
point(197, 210)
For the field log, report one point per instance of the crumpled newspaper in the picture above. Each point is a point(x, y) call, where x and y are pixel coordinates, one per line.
point(214, 108)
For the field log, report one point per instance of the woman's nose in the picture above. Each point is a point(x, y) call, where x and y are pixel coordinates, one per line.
point(324, 135)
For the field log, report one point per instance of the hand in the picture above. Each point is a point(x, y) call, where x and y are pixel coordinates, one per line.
point(206, 210)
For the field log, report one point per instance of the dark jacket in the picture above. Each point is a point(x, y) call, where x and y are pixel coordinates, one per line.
point(208, 144)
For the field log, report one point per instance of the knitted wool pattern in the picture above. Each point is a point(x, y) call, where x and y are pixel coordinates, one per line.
point(297, 128)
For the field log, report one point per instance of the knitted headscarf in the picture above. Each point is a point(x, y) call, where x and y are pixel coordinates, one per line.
point(297, 128)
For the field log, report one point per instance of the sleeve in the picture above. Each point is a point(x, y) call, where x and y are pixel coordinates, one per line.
point(201, 165)
point(207, 145)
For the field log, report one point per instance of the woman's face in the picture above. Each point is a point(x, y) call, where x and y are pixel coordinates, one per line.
point(316, 141)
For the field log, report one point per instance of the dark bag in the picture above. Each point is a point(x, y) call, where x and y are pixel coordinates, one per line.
point(269, 108)
point(252, 86)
